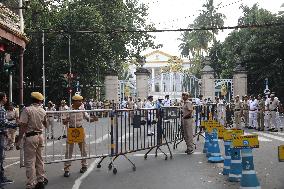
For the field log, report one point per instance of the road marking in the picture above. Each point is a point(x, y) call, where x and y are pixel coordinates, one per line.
point(78, 181)
point(100, 139)
point(15, 163)
point(270, 136)
point(124, 137)
point(260, 138)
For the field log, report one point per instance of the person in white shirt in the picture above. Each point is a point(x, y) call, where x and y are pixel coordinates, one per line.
point(253, 113)
point(150, 117)
point(62, 116)
point(50, 121)
point(167, 101)
point(272, 105)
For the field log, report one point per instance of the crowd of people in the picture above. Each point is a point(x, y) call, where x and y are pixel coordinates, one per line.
point(255, 112)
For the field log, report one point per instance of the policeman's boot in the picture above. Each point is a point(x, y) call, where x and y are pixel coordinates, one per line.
point(66, 174)
point(83, 169)
point(40, 185)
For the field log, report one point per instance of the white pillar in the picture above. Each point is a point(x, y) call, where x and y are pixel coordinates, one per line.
point(111, 87)
point(240, 80)
point(161, 83)
point(208, 80)
point(142, 85)
point(153, 80)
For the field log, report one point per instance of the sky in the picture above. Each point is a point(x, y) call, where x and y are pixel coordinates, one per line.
point(175, 14)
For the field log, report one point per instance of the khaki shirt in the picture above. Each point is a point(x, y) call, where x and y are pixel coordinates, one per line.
point(130, 104)
point(238, 105)
point(33, 116)
point(187, 107)
point(76, 119)
point(261, 105)
point(245, 105)
point(12, 115)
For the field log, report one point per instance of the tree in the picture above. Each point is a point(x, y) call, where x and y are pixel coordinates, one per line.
point(91, 53)
point(260, 50)
point(195, 44)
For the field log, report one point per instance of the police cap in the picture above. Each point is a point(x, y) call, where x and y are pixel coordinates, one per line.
point(77, 97)
point(37, 96)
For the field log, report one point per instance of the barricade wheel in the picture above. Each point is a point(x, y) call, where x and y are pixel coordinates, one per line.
point(171, 157)
point(166, 158)
point(99, 166)
point(134, 168)
point(114, 171)
point(110, 166)
point(145, 156)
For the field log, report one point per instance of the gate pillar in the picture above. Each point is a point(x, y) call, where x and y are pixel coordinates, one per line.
point(111, 86)
point(208, 80)
point(240, 80)
point(142, 85)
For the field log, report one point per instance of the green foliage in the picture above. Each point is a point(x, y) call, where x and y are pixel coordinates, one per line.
point(196, 43)
point(91, 53)
point(259, 49)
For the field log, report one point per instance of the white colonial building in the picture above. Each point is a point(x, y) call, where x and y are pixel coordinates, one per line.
point(163, 81)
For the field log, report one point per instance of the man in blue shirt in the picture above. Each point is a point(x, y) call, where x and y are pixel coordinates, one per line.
point(4, 124)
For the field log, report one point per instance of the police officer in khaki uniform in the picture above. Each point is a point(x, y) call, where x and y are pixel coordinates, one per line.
point(260, 113)
point(246, 111)
point(238, 108)
point(75, 120)
point(187, 122)
point(32, 123)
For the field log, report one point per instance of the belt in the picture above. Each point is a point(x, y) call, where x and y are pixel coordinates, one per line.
point(252, 110)
point(237, 109)
point(273, 110)
point(76, 127)
point(33, 133)
point(188, 118)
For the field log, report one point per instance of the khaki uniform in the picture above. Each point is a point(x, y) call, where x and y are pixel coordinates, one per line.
point(34, 117)
point(260, 114)
point(246, 113)
point(187, 125)
point(50, 123)
point(12, 116)
point(76, 121)
point(238, 108)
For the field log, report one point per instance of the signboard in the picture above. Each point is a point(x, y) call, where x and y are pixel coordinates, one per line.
point(217, 128)
point(230, 133)
point(75, 135)
point(281, 153)
point(245, 141)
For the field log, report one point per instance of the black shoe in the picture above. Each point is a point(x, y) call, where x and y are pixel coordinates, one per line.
point(258, 129)
point(66, 174)
point(59, 138)
point(47, 138)
point(83, 169)
point(275, 130)
point(281, 129)
point(45, 181)
point(64, 136)
point(51, 137)
point(6, 181)
point(188, 152)
point(40, 185)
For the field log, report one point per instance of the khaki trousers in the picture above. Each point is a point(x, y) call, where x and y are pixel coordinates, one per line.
point(69, 153)
point(237, 115)
point(11, 137)
point(246, 117)
point(260, 119)
point(34, 164)
point(188, 132)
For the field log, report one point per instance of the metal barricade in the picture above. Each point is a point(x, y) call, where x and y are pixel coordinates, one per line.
point(93, 137)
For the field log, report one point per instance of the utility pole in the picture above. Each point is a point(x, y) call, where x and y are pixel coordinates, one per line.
point(43, 66)
point(70, 70)
point(21, 62)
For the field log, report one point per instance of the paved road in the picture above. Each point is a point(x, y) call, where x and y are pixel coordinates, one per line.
point(183, 171)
